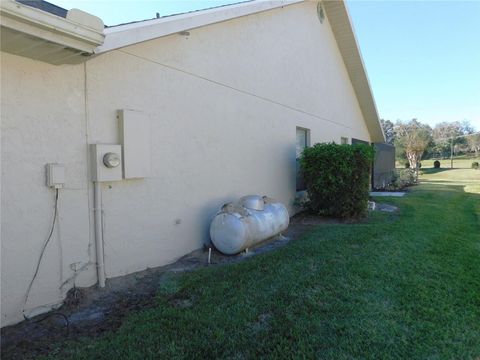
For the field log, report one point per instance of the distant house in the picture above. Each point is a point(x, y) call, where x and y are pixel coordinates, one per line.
point(204, 107)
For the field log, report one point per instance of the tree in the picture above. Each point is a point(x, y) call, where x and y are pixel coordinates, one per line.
point(467, 128)
point(389, 130)
point(443, 133)
point(413, 137)
point(446, 134)
point(473, 142)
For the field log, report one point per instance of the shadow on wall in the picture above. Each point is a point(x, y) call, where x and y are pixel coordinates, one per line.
point(290, 155)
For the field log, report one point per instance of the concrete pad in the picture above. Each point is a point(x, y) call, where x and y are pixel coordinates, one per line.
point(387, 193)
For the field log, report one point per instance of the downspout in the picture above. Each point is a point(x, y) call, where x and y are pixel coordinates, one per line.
point(97, 208)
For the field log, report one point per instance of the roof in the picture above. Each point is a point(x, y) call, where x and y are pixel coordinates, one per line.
point(176, 14)
point(45, 6)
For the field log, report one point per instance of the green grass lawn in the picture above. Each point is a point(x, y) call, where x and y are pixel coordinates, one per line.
point(469, 179)
point(458, 162)
point(403, 285)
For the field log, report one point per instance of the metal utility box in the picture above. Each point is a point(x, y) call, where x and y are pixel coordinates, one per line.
point(55, 175)
point(106, 162)
point(135, 137)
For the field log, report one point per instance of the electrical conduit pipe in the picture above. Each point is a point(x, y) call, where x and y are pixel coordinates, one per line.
point(97, 208)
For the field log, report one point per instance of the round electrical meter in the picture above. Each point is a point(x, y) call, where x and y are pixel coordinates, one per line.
point(111, 160)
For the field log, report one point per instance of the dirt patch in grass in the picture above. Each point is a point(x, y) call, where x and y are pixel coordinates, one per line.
point(90, 312)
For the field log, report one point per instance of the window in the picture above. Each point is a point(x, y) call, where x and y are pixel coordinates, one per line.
point(357, 141)
point(344, 141)
point(303, 141)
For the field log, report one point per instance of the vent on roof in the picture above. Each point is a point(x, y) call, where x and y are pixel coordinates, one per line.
point(320, 12)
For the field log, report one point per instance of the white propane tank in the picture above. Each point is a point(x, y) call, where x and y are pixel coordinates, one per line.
point(238, 226)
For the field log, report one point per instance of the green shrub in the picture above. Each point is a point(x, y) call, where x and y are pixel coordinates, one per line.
point(337, 178)
point(400, 179)
point(406, 177)
point(407, 165)
point(475, 165)
point(436, 164)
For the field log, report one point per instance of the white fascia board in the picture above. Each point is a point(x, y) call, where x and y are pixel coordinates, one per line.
point(342, 27)
point(49, 27)
point(379, 135)
point(129, 34)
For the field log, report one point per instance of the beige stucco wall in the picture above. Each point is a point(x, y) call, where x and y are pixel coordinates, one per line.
point(223, 105)
point(43, 121)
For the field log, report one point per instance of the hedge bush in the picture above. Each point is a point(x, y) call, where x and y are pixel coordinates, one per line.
point(475, 165)
point(436, 164)
point(400, 179)
point(337, 178)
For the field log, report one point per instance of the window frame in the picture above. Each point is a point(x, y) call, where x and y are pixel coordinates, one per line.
point(299, 183)
point(307, 139)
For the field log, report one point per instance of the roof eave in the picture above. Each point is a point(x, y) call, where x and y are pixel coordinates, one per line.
point(39, 35)
point(341, 24)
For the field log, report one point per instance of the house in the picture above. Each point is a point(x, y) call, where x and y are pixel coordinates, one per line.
point(189, 112)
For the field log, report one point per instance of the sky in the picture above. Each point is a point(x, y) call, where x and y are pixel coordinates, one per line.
point(422, 57)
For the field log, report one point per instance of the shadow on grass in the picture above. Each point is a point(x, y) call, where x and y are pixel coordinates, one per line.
point(434, 170)
point(443, 181)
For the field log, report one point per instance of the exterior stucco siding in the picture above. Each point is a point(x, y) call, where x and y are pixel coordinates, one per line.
point(43, 121)
point(285, 56)
point(223, 105)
